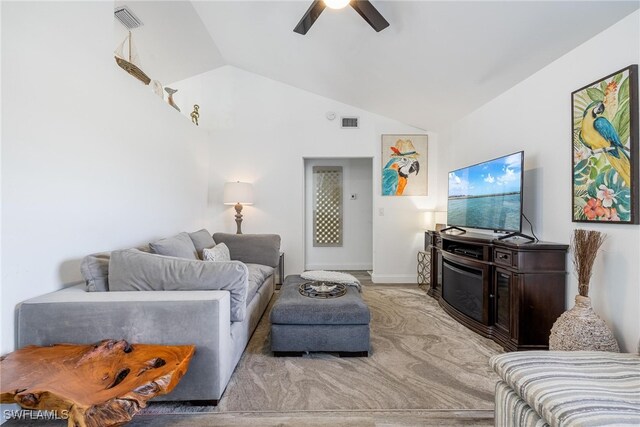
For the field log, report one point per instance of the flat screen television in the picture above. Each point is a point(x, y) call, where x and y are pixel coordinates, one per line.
point(487, 195)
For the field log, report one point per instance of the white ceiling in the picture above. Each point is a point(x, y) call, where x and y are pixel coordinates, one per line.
point(436, 62)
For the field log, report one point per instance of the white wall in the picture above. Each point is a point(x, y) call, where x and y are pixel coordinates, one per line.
point(356, 252)
point(1, 185)
point(262, 131)
point(3, 407)
point(91, 160)
point(534, 116)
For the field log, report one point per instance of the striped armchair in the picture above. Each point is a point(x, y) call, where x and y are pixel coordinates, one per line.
point(562, 388)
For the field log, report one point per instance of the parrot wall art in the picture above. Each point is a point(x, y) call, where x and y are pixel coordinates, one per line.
point(605, 144)
point(402, 171)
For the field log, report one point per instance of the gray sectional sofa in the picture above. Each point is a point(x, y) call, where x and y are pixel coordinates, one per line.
point(143, 296)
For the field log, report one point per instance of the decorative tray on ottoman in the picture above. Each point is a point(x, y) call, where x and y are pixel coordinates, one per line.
point(324, 290)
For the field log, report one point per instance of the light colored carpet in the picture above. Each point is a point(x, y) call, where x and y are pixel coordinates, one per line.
point(424, 369)
point(420, 359)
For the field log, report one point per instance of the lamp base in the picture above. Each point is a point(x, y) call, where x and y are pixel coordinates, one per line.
point(238, 208)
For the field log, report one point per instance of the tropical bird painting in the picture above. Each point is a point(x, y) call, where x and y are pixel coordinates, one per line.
point(604, 146)
point(599, 135)
point(403, 163)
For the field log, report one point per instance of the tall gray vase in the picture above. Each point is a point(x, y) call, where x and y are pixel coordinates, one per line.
point(581, 329)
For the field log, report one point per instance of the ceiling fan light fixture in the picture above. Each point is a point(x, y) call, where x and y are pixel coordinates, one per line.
point(364, 8)
point(336, 4)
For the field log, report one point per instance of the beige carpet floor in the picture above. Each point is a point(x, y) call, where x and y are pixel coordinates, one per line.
point(420, 359)
point(424, 369)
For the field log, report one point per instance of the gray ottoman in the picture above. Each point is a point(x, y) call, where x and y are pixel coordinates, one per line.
point(301, 324)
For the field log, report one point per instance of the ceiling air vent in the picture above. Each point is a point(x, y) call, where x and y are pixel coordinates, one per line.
point(127, 18)
point(349, 123)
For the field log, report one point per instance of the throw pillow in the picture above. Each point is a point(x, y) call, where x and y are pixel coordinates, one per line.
point(202, 239)
point(218, 253)
point(179, 246)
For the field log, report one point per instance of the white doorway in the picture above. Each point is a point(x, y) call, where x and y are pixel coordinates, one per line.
point(355, 249)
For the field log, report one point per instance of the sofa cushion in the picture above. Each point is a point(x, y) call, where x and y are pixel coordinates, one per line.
point(218, 253)
point(180, 246)
point(95, 270)
point(575, 388)
point(252, 248)
point(133, 270)
point(201, 240)
point(258, 273)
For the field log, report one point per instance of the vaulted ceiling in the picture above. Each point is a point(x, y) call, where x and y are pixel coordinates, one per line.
point(437, 61)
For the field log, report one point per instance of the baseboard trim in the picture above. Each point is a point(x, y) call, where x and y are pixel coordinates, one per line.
point(348, 267)
point(394, 278)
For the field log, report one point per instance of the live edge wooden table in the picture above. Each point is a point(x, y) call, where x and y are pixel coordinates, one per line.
point(103, 384)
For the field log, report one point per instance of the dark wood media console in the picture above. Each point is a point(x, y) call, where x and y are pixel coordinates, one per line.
point(507, 291)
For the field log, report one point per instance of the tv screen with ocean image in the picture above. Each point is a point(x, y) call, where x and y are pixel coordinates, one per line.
point(487, 195)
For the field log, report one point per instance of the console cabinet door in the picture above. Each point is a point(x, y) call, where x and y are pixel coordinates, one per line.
point(505, 286)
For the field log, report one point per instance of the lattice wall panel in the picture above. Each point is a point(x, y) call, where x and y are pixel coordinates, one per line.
point(327, 206)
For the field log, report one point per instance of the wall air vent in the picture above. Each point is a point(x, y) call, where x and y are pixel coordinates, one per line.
point(349, 123)
point(127, 18)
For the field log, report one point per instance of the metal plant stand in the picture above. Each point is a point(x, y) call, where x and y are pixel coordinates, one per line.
point(424, 269)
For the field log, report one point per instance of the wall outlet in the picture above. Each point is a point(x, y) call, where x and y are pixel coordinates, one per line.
point(380, 211)
point(353, 196)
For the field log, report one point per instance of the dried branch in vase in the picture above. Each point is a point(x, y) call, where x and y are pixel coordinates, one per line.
point(585, 245)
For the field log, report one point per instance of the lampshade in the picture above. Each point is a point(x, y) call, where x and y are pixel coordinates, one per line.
point(429, 220)
point(336, 4)
point(237, 192)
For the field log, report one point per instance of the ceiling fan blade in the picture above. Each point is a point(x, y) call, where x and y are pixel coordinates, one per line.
point(310, 17)
point(370, 14)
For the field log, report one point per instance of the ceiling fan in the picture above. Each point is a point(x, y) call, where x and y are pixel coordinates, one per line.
point(363, 7)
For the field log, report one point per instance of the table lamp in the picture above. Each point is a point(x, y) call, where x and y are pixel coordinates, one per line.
point(238, 194)
point(441, 219)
